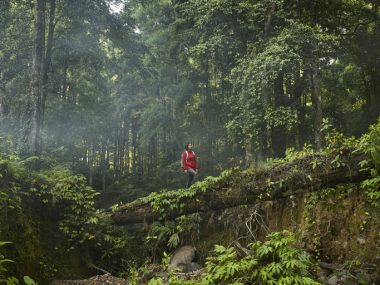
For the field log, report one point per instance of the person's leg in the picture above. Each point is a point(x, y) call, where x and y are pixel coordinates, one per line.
point(190, 180)
point(191, 177)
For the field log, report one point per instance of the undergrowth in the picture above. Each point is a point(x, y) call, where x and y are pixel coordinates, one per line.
point(370, 144)
point(275, 261)
point(175, 200)
point(50, 215)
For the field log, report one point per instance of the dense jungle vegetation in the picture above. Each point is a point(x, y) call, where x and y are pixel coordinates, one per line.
point(99, 97)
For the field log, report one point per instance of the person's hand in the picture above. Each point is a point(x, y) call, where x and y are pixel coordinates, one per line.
point(196, 171)
point(185, 170)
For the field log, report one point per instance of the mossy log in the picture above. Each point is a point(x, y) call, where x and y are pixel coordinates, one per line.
point(306, 174)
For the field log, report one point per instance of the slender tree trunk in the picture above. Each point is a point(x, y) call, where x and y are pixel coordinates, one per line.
point(299, 86)
point(374, 94)
point(47, 61)
point(116, 155)
point(279, 133)
point(4, 22)
point(34, 107)
point(208, 107)
point(268, 23)
point(265, 137)
point(134, 147)
point(91, 165)
point(317, 105)
point(122, 148)
point(103, 163)
point(2, 94)
point(63, 110)
point(249, 155)
point(316, 98)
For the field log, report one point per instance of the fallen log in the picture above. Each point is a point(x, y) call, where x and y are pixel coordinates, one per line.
point(306, 174)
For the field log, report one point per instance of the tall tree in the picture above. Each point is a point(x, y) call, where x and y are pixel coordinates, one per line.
point(34, 108)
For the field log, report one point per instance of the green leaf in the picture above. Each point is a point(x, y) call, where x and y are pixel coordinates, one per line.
point(29, 281)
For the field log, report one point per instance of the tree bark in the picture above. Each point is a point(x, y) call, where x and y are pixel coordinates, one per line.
point(47, 61)
point(34, 108)
point(134, 147)
point(247, 188)
point(317, 105)
point(279, 132)
point(297, 99)
point(103, 163)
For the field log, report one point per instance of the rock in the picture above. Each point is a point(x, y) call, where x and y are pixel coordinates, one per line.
point(183, 256)
point(322, 274)
point(361, 241)
point(191, 267)
point(347, 280)
point(342, 278)
point(333, 280)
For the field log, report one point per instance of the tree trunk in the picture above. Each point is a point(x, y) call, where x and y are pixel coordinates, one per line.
point(246, 188)
point(103, 163)
point(64, 109)
point(2, 94)
point(299, 86)
point(317, 105)
point(34, 108)
point(279, 132)
point(47, 61)
point(268, 23)
point(125, 148)
point(116, 155)
point(91, 165)
point(134, 146)
point(265, 137)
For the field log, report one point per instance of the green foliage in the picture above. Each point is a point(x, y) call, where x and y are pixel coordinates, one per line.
point(372, 186)
point(3, 260)
point(173, 200)
point(57, 204)
point(171, 234)
point(60, 191)
point(275, 261)
point(336, 143)
point(370, 144)
point(11, 280)
point(29, 281)
point(124, 91)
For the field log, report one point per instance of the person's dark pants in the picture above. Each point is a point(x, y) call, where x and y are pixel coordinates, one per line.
point(192, 174)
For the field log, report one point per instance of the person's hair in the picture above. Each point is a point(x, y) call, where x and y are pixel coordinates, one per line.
point(187, 146)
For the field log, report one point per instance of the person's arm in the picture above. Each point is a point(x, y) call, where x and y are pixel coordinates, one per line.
point(196, 163)
point(184, 161)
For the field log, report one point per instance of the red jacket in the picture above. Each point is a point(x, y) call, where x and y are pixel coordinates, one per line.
point(189, 160)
